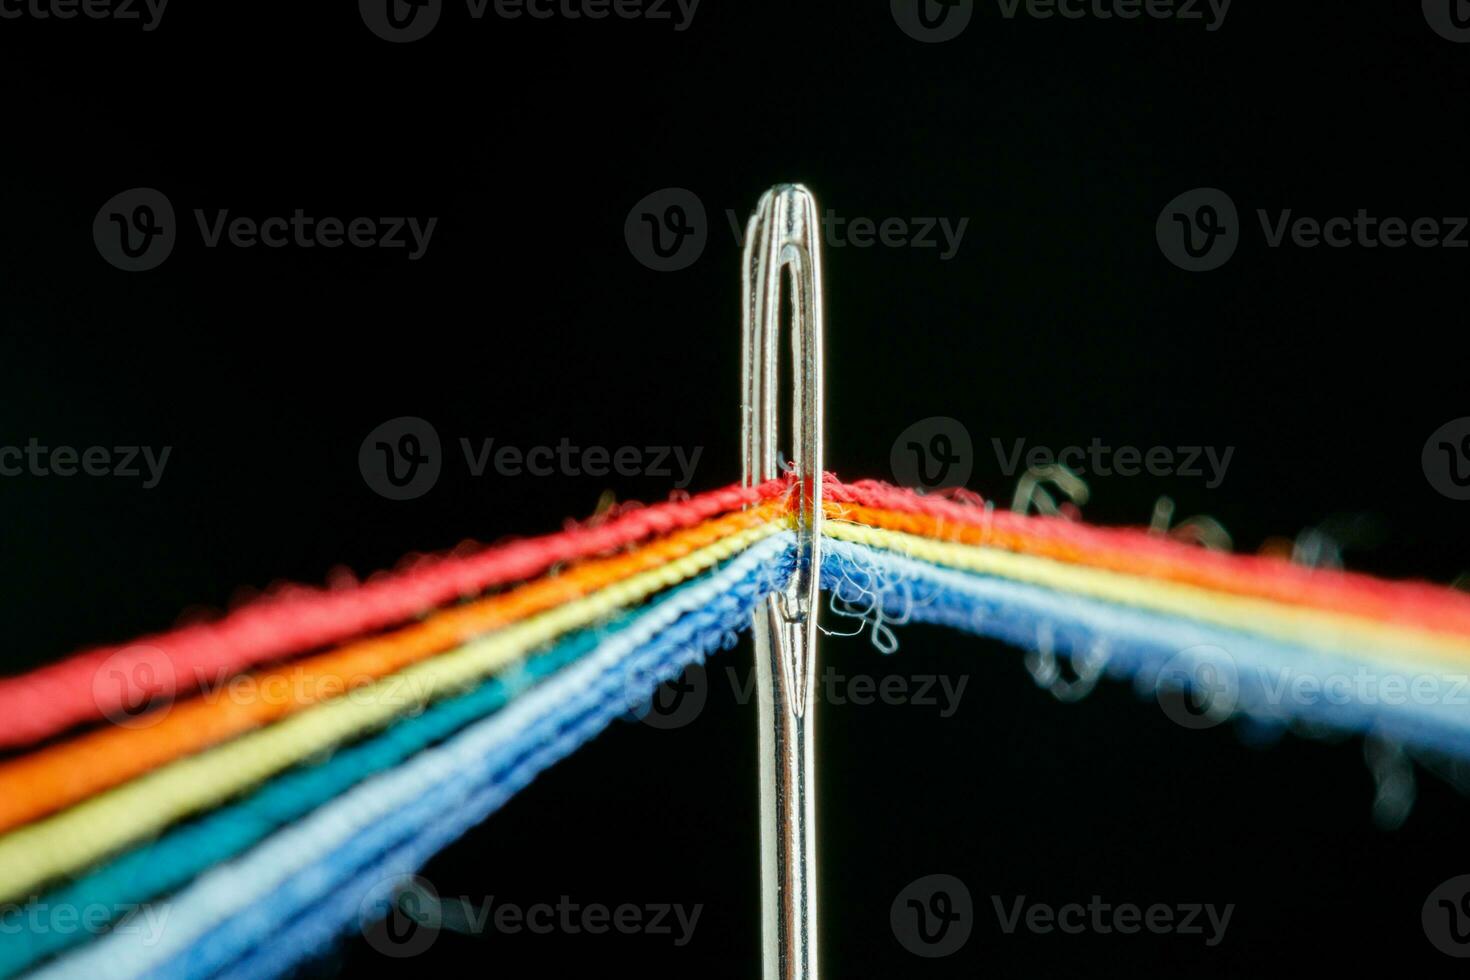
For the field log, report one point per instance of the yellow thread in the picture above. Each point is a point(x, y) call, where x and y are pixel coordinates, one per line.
point(91, 830)
point(68, 841)
point(1301, 625)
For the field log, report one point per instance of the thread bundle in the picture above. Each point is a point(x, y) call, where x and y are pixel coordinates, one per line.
point(482, 669)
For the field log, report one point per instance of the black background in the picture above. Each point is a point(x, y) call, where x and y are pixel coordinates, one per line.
point(529, 320)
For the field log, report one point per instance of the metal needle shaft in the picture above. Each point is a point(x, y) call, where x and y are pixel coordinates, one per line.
point(782, 240)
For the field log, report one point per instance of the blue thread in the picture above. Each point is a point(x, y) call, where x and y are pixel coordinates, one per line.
point(569, 724)
point(157, 867)
point(314, 906)
point(220, 917)
point(1142, 645)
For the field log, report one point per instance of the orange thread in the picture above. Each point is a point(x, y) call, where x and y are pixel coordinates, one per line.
point(63, 774)
point(1190, 567)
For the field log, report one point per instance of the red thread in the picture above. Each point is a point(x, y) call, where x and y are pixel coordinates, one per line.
point(1420, 604)
point(300, 618)
point(292, 621)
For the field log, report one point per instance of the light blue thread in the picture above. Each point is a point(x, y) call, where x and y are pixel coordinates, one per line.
point(261, 887)
point(1141, 642)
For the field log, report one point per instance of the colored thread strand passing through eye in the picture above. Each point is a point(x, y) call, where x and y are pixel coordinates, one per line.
point(1290, 623)
point(160, 866)
point(74, 838)
point(285, 876)
point(1136, 552)
point(1018, 578)
point(44, 702)
point(63, 774)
